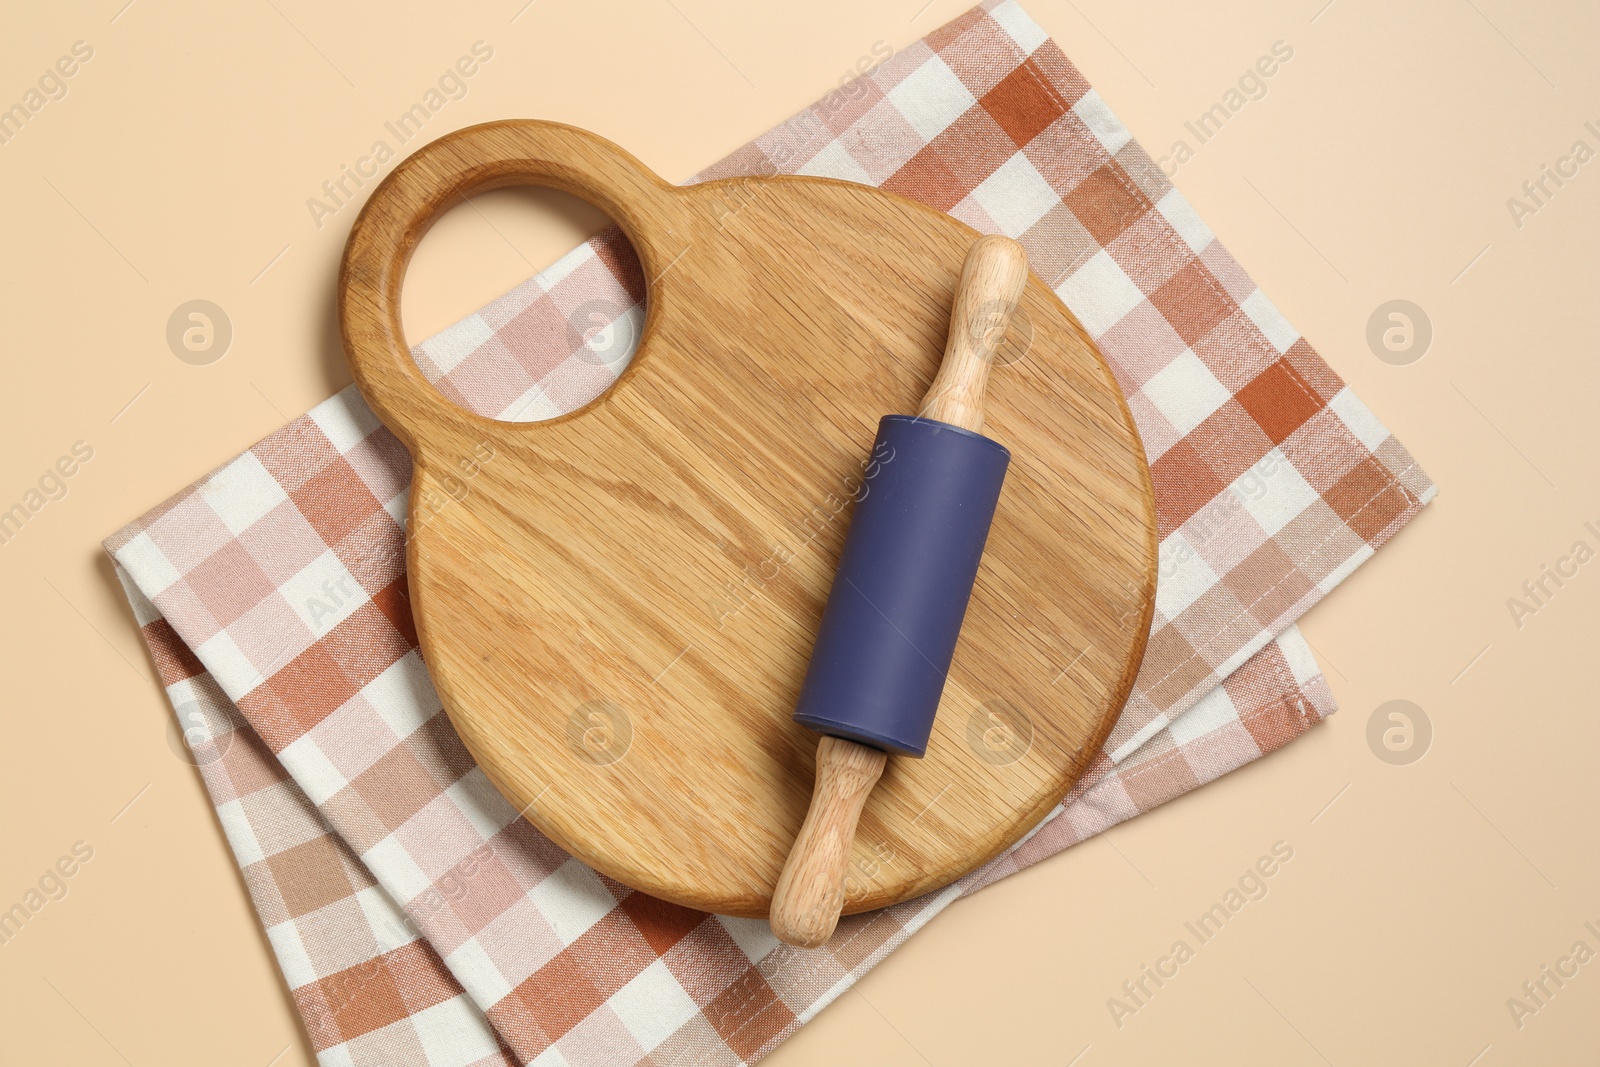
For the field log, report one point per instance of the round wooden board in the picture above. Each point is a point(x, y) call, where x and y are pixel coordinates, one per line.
point(617, 605)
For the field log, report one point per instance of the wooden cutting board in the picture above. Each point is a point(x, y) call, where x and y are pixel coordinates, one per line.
point(617, 605)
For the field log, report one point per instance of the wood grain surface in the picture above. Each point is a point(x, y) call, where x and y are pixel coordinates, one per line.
point(618, 609)
point(810, 895)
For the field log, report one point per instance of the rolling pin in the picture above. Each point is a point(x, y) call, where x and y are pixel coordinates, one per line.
point(894, 611)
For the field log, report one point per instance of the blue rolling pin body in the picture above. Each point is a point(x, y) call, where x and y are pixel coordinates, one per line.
point(894, 613)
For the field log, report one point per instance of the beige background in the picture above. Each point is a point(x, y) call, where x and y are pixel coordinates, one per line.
point(1378, 166)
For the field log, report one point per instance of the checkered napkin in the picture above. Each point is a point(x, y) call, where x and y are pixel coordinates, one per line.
point(416, 918)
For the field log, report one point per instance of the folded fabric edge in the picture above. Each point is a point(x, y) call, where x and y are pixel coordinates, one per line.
point(1302, 662)
point(333, 1004)
point(301, 868)
point(1112, 793)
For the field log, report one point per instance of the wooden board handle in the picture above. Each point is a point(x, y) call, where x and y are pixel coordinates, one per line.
point(433, 179)
point(810, 891)
point(809, 896)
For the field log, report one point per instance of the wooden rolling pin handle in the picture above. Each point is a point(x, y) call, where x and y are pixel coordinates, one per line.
point(991, 285)
point(809, 896)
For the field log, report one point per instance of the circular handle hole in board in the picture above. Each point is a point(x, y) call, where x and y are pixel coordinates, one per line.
point(564, 324)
